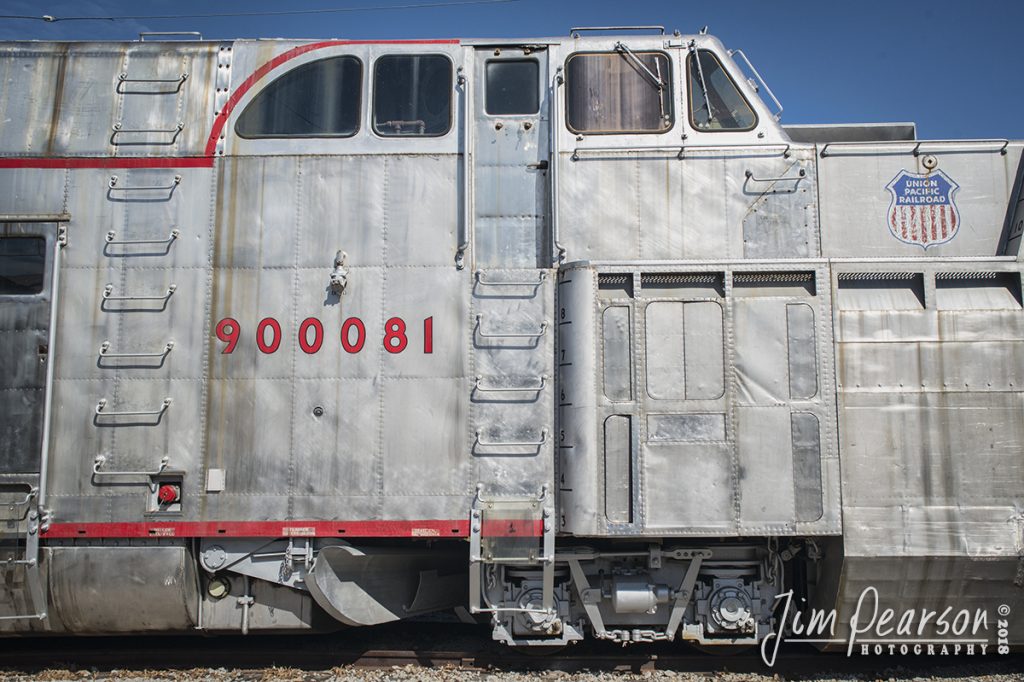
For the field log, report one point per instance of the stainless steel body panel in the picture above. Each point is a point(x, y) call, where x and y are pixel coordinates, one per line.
point(745, 411)
point(511, 328)
point(854, 201)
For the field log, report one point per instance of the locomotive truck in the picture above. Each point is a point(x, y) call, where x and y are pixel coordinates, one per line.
point(567, 336)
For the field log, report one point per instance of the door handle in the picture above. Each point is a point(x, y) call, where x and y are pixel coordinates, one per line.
point(540, 165)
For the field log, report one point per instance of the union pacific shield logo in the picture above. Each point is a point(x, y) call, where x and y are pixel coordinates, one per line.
point(923, 211)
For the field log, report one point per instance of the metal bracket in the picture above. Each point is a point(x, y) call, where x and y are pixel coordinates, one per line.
point(510, 335)
point(583, 589)
point(684, 594)
point(112, 238)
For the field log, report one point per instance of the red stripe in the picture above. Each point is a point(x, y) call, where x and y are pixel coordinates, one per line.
point(931, 218)
point(107, 162)
point(225, 113)
point(218, 124)
point(942, 221)
point(205, 529)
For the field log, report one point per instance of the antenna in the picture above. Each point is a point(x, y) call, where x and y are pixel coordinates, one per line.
point(704, 31)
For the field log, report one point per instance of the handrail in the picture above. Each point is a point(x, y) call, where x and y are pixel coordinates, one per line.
point(510, 389)
point(797, 178)
point(510, 335)
point(32, 492)
point(574, 31)
point(123, 78)
point(118, 130)
point(111, 239)
point(112, 184)
point(467, 185)
point(105, 348)
point(143, 34)
point(528, 443)
point(553, 142)
point(55, 305)
point(152, 483)
point(511, 283)
point(778, 114)
point(682, 149)
point(1002, 142)
point(108, 290)
point(102, 404)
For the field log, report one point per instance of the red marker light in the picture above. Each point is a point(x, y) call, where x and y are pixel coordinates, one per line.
point(168, 493)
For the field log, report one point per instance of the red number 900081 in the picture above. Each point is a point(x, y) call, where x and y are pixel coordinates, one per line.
point(395, 337)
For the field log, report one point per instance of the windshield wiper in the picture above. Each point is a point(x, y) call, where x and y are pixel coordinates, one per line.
point(703, 83)
point(655, 79)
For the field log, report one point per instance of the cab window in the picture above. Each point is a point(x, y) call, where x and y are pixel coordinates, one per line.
point(318, 99)
point(22, 264)
point(512, 87)
point(412, 95)
point(618, 92)
point(715, 102)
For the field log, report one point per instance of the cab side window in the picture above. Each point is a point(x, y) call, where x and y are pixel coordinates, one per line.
point(412, 95)
point(512, 87)
point(22, 264)
point(318, 99)
point(715, 102)
point(618, 92)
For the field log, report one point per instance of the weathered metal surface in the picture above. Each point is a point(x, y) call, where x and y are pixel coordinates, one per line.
point(728, 416)
point(369, 329)
point(160, 581)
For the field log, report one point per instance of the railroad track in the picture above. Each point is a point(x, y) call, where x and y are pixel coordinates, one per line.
point(443, 647)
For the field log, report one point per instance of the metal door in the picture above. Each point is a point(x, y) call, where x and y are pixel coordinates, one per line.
point(26, 285)
point(510, 157)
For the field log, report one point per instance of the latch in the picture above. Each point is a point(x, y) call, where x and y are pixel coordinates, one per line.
point(339, 277)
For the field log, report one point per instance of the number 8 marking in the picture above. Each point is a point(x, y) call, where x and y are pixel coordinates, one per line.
point(395, 340)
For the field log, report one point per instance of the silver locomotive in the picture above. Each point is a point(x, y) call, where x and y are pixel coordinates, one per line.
point(568, 336)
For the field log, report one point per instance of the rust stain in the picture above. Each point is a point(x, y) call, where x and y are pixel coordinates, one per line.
point(58, 99)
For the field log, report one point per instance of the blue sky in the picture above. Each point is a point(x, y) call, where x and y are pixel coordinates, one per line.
point(952, 67)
